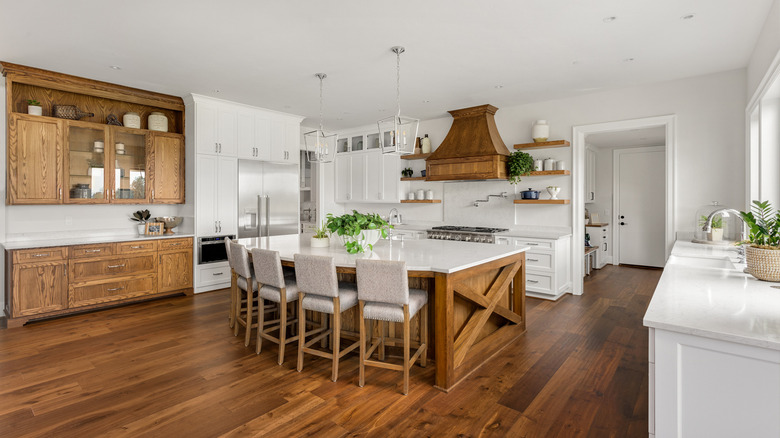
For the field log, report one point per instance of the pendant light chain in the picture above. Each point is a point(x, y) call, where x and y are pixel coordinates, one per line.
point(398, 80)
point(321, 76)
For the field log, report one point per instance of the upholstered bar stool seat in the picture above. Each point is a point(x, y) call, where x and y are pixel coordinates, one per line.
point(384, 295)
point(320, 291)
point(275, 287)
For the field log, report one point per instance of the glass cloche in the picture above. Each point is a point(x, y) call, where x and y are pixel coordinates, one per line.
point(726, 226)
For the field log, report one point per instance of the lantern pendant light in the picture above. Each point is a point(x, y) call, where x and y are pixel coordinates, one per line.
point(397, 133)
point(320, 147)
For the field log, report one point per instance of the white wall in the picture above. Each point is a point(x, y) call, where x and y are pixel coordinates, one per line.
point(710, 148)
point(765, 50)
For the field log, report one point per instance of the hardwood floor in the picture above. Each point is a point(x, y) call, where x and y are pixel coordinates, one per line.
point(173, 368)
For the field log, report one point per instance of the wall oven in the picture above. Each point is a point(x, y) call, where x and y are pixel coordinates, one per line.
point(212, 249)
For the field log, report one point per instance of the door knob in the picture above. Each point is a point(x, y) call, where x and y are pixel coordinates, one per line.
point(622, 223)
point(622, 217)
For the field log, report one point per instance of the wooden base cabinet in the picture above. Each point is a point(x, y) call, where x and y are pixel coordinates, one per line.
point(45, 282)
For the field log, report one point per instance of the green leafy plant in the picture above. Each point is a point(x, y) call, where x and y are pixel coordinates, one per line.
point(321, 232)
point(763, 225)
point(33, 102)
point(518, 164)
point(351, 225)
point(94, 163)
point(717, 221)
point(408, 172)
point(141, 216)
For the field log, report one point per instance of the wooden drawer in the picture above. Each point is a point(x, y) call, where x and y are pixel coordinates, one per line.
point(86, 269)
point(539, 260)
point(214, 275)
point(171, 244)
point(136, 247)
point(104, 292)
point(540, 283)
point(95, 250)
point(534, 243)
point(40, 254)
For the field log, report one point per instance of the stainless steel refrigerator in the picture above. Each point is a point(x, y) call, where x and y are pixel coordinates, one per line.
point(267, 199)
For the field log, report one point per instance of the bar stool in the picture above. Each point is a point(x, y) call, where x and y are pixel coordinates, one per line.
point(233, 293)
point(384, 295)
point(244, 282)
point(274, 286)
point(320, 291)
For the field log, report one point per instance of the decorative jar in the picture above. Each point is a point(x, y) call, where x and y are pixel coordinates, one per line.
point(158, 122)
point(540, 131)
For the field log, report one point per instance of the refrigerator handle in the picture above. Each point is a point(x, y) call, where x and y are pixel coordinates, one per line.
point(259, 215)
point(267, 215)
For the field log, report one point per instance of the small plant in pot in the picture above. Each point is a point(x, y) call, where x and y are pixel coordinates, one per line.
point(34, 107)
point(358, 232)
point(407, 173)
point(716, 234)
point(763, 251)
point(518, 164)
point(141, 217)
point(320, 239)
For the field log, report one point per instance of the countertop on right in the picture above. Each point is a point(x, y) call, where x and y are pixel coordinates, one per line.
point(704, 292)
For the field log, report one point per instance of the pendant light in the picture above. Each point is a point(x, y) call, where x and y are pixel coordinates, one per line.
point(319, 146)
point(397, 133)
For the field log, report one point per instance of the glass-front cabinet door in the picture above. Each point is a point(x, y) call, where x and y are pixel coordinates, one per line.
point(86, 178)
point(130, 169)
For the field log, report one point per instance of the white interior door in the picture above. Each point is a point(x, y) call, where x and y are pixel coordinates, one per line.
point(641, 205)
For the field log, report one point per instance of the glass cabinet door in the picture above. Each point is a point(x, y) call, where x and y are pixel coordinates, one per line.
point(85, 176)
point(129, 166)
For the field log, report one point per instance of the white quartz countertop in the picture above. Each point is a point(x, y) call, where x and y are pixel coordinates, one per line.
point(420, 255)
point(538, 234)
point(703, 292)
point(47, 243)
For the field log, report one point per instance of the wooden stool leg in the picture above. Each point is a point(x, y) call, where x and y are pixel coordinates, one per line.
point(250, 298)
point(237, 311)
point(382, 339)
point(324, 322)
point(301, 331)
point(424, 335)
point(233, 287)
point(260, 321)
point(406, 349)
point(336, 335)
point(362, 322)
point(282, 325)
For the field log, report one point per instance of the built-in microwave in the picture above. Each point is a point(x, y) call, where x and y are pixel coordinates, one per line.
point(212, 249)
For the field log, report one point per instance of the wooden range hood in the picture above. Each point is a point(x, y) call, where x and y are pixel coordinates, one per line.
point(472, 150)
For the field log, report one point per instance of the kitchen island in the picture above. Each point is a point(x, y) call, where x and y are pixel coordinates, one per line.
point(476, 293)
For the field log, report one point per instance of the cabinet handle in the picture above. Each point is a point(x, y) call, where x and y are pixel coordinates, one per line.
point(215, 227)
point(112, 194)
point(92, 250)
point(531, 244)
point(216, 147)
point(217, 273)
point(60, 192)
point(152, 195)
point(175, 244)
point(115, 288)
point(220, 226)
point(220, 148)
point(532, 281)
point(134, 247)
point(42, 255)
point(605, 246)
point(533, 260)
point(116, 266)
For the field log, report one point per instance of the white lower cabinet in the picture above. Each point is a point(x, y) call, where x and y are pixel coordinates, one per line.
point(601, 237)
point(702, 387)
point(368, 177)
point(212, 276)
point(548, 262)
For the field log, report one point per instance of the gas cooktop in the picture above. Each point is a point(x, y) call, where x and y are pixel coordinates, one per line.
point(465, 234)
point(469, 229)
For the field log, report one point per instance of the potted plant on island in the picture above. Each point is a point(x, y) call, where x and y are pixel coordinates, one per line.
point(141, 216)
point(763, 251)
point(320, 239)
point(34, 107)
point(518, 164)
point(358, 231)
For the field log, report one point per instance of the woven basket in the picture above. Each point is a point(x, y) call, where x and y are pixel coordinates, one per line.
point(69, 112)
point(763, 264)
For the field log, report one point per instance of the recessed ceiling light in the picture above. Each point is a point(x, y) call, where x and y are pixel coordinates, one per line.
point(115, 67)
point(609, 19)
point(628, 60)
point(687, 16)
point(575, 62)
point(287, 106)
point(498, 87)
point(216, 90)
point(426, 101)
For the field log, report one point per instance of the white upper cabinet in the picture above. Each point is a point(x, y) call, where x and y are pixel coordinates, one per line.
point(254, 135)
point(368, 176)
point(292, 141)
point(215, 128)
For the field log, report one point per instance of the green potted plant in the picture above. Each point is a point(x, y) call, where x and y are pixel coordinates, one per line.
point(518, 164)
point(34, 107)
point(407, 173)
point(320, 239)
point(763, 251)
point(142, 217)
point(358, 231)
point(716, 234)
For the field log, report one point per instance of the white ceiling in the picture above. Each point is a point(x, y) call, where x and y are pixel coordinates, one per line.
point(633, 138)
point(265, 53)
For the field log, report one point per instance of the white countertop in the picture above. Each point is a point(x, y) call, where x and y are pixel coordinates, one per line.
point(420, 255)
point(25, 244)
point(715, 302)
point(514, 231)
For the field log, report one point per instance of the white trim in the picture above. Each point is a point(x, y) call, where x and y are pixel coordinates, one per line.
point(616, 153)
point(578, 167)
point(772, 74)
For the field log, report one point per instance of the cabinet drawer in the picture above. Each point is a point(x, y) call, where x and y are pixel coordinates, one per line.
point(85, 295)
point(136, 247)
point(214, 275)
point(539, 260)
point(168, 244)
point(534, 243)
point(541, 283)
point(98, 249)
point(40, 254)
point(85, 269)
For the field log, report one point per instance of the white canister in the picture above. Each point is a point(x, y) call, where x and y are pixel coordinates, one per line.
point(426, 144)
point(410, 196)
point(549, 164)
point(120, 148)
point(158, 122)
point(540, 132)
point(131, 120)
point(429, 195)
point(538, 164)
point(560, 165)
point(420, 194)
point(98, 147)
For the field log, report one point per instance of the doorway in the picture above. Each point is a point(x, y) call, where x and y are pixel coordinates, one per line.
point(580, 140)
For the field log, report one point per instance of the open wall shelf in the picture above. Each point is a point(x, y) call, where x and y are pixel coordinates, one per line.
point(545, 144)
point(421, 201)
point(541, 201)
point(415, 156)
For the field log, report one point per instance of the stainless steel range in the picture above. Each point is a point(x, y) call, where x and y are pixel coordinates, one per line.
point(465, 234)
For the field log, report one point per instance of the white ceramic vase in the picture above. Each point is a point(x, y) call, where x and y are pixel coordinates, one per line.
point(540, 131)
point(141, 229)
point(320, 242)
point(35, 110)
point(553, 191)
